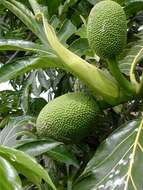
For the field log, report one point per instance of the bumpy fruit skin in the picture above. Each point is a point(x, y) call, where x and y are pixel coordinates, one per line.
point(70, 116)
point(107, 29)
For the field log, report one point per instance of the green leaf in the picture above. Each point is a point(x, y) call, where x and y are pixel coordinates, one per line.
point(22, 45)
point(82, 31)
point(66, 31)
point(9, 101)
point(66, 5)
point(62, 154)
point(26, 16)
point(133, 7)
point(93, 2)
point(14, 129)
point(36, 88)
point(53, 6)
point(26, 165)
point(117, 164)
point(38, 147)
point(12, 70)
point(21, 12)
point(53, 149)
point(9, 179)
point(35, 6)
point(45, 83)
point(134, 54)
point(36, 105)
point(25, 91)
point(79, 46)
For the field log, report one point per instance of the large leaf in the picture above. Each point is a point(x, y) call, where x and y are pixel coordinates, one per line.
point(9, 101)
point(37, 147)
point(133, 56)
point(23, 45)
point(26, 165)
point(22, 12)
point(52, 6)
point(133, 6)
point(14, 129)
point(66, 31)
point(53, 149)
point(12, 70)
point(117, 164)
point(26, 16)
point(62, 154)
point(9, 179)
point(79, 46)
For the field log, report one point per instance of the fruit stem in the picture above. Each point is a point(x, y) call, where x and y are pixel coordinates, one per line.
point(105, 105)
point(124, 83)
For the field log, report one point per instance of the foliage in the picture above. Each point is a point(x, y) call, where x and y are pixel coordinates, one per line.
point(44, 51)
point(116, 161)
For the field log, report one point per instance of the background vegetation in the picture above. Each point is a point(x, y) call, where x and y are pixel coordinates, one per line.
point(20, 107)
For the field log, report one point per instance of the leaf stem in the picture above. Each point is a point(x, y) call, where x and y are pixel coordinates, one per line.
point(124, 83)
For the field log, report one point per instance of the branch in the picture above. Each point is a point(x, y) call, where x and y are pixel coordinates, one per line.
point(97, 80)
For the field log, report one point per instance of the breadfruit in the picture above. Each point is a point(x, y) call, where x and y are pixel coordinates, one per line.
point(107, 29)
point(70, 116)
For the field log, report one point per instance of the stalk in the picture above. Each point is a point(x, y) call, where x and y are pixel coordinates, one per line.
point(97, 80)
point(124, 83)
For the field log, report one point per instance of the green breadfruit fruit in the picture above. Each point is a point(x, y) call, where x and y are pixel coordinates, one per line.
point(70, 116)
point(107, 29)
